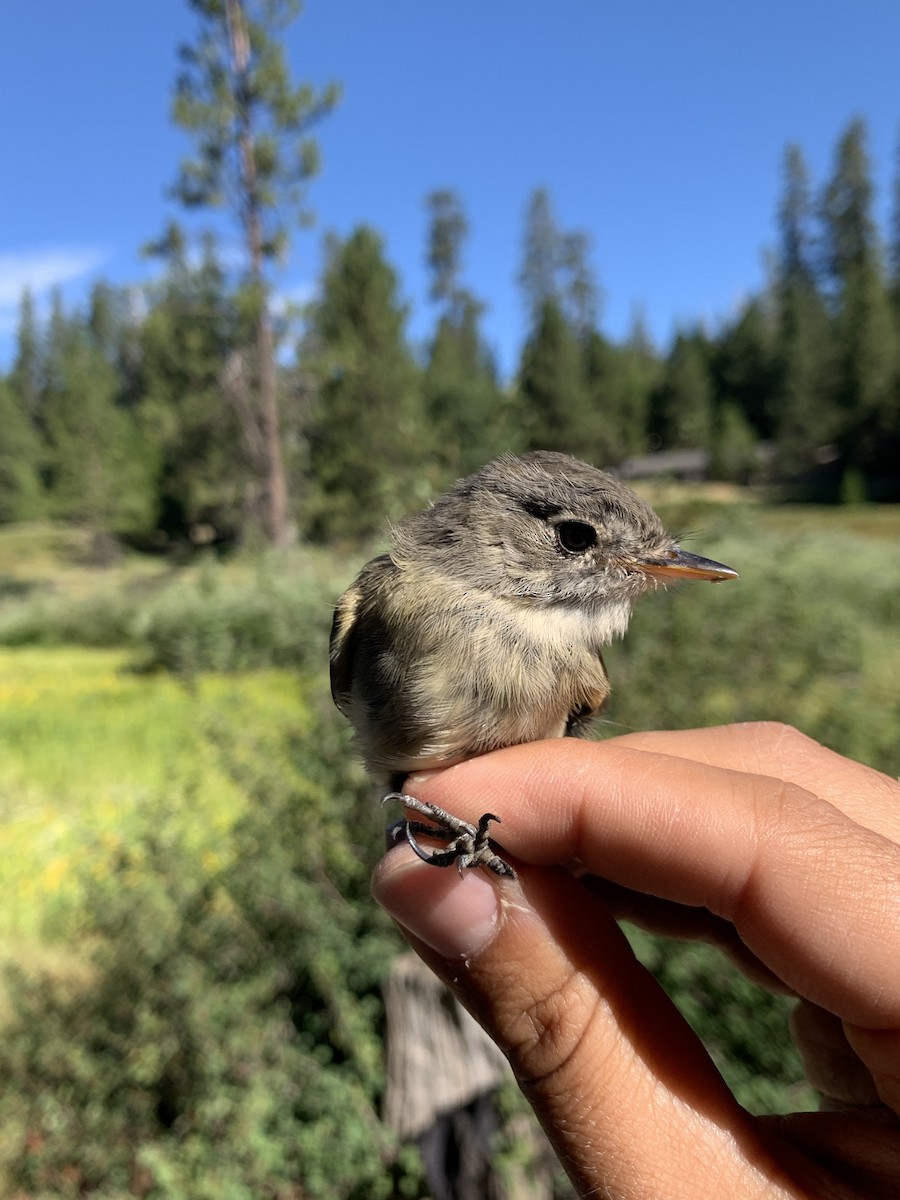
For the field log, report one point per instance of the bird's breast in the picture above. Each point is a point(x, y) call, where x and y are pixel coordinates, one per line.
point(487, 674)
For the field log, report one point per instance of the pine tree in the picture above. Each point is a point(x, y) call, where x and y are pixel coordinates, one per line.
point(619, 380)
point(868, 355)
point(579, 290)
point(605, 434)
point(255, 155)
point(204, 479)
point(552, 386)
point(802, 391)
point(463, 400)
point(99, 465)
point(448, 229)
point(115, 330)
point(25, 379)
point(560, 396)
point(849, 241)
point(744, 367)
point(685, 396)
point(471, 418)
point(21, 453)
point(21, 494)
point(368, 433)
point(637, 375)
point(538, 276)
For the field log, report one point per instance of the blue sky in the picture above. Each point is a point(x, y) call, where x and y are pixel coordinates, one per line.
point(657, 126)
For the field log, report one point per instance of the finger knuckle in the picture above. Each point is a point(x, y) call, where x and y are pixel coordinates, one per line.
point(554, 1030)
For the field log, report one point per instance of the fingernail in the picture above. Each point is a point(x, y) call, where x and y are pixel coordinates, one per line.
point(423, 776)
point(457, 916)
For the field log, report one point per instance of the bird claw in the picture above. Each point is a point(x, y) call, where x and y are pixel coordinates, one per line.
point(468, 845)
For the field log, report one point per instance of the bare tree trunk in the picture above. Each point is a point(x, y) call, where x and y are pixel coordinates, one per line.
point(276, 494)
point(265, 413)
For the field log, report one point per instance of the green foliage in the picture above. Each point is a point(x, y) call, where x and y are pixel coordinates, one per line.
point(213, 623)
point(745, 370)
point(684, 401)
point(853, 487)
point(795, 639)
point(867, 349)
point(100, 467)
point(556, 268)
point(368, 435)
point(850, 238)
point(470, 418)
point(469, 415)
point(25, 378)
point(540, 258)
point(224, 1035)
point(248, 616)
point(254, 154)
point(806, 415)
point(618, 381)
point(447, 230)
point(103, 618)
point(21, 494)
point(744, 1028)
point(179, 428)
point(134, 736)
point(551, 385)
point(235, 96)
point(734, 445)
point(868, 373)
point(621, 392)
point(188, 333)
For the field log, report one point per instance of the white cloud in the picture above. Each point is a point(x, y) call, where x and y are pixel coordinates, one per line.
point(41, 270)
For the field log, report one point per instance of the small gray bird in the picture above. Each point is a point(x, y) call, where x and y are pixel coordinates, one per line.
point(484, 625)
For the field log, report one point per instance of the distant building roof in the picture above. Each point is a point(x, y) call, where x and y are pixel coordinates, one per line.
point(682, 464)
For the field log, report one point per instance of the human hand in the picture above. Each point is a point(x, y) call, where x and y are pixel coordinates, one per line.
point(754, 836)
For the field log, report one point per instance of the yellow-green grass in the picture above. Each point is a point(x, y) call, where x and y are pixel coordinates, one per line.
point(85, 743)
point(880, 522)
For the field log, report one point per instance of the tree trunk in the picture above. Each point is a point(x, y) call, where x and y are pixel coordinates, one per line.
point(264, 414)
point(275, 494)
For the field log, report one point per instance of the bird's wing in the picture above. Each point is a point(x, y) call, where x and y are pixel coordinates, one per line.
point(345, 628)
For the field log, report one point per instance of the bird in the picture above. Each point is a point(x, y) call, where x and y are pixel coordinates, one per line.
point(484, 625)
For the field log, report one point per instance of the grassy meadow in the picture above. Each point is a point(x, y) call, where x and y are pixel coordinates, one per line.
point(87, 741)
point(117, 688)
point(185, 838)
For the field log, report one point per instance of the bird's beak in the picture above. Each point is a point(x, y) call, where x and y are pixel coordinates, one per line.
point(675, 564)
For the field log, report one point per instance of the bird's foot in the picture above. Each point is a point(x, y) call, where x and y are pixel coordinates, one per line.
point(468, 845)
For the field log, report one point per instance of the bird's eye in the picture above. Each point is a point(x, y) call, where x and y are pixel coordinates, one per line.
point(576, 536)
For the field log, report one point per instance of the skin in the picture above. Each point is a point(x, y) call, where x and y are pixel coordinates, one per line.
point(752, 836)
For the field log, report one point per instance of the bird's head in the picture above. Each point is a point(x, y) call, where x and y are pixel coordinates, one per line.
point(548, 530)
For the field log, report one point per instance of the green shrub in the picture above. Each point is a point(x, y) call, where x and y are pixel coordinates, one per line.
point(102, 619)
point(224, 1040)
point(744, 1028)
point(802, 637)
point(221, 618)
point(219, 624)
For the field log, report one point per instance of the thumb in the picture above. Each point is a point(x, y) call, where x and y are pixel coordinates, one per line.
point(615, 1075)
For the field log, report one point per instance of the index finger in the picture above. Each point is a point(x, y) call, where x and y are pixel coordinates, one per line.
point(770, 748)
point(815, 896)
